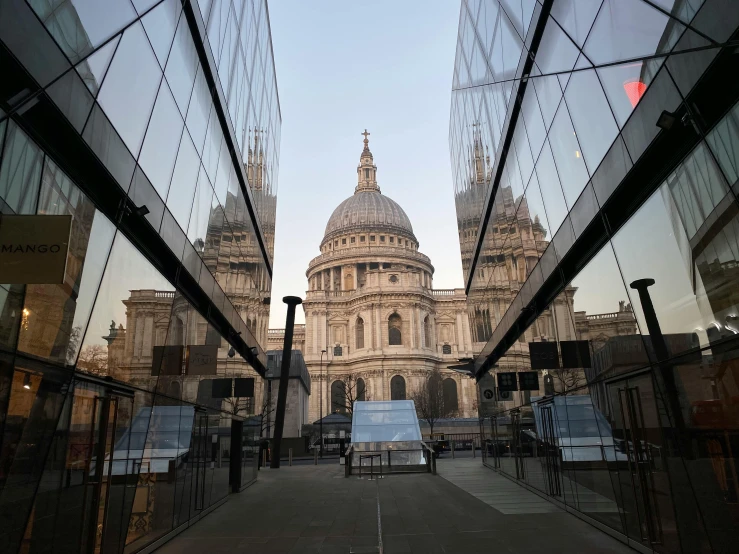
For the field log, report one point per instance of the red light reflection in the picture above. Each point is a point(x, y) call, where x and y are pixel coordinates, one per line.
point(635, 90)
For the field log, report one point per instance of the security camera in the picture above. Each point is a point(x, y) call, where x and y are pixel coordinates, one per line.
point(231, 352)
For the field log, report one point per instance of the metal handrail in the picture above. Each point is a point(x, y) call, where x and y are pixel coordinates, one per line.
point(430, 458)
point(425, 450)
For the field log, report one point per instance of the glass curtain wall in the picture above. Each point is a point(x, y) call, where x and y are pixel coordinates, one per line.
point(644, 439)
point(115, 405)
point(552, 110)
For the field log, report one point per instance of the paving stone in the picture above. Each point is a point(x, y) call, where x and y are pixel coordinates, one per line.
point(313, 509)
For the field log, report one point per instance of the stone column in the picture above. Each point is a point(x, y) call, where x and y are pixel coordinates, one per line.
point(312, 320)
point(460, 334)
point(466, 329)
point(355, 272)
point(420, 327)
point(324, 331)
point(411, 329)
point(433, 343)
point(378, 328)
point(341, 277)
point(464, 400)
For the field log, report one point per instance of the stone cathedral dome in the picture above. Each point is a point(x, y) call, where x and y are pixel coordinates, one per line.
point(368, 208)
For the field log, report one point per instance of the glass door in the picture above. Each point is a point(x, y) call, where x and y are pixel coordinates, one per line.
point(98, 452)
point(550, 447)
point(641, 479)
point(494, 446)
point(516, 447)
point(199, 462)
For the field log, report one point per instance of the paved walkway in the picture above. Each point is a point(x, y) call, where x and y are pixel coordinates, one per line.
point(314, 509)
point(493, 489)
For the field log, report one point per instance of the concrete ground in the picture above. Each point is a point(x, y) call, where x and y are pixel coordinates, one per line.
point(311, 509)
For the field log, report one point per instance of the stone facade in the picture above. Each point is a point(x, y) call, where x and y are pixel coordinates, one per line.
point(371, 281)
point(371, 311)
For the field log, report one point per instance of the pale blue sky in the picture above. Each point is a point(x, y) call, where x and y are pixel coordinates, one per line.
point(343, 66)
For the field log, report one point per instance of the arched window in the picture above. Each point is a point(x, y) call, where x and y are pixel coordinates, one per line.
point(176, 332)
point(393, 330)
point(174, 389)
point(359, 339)
point(427, 332)
point(397, 388)
point(451, 404)
point(361, 390)
point(338, 397)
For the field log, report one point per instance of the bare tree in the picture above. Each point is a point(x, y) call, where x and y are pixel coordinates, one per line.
point(239, 406)
point(246, 407)
point(354, 390)
point(93, 358)
point(267, 409)
point(568, 379)
point(74, 341)
point(429, 400)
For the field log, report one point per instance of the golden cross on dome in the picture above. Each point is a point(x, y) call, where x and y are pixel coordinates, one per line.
point(366, 134)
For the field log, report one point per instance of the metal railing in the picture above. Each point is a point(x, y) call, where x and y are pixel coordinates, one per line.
point(354, 251)
point(386, 460)
point(298, 328)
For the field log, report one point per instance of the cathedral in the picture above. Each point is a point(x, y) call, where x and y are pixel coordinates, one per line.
point(374, 325)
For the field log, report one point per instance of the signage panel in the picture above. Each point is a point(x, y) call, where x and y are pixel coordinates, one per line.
point(486, 388)
point(222, 388)
point(244, 387)
point(544, 355)
point(505, 396)
point(575, 354)
point(507, 381)
point(201, 359)
point(33, 249)
point(528, 380)
point(167, 360)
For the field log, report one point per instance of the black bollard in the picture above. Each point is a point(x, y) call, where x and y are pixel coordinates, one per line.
point(660, 349)
point(688, 519)
point(287, 347)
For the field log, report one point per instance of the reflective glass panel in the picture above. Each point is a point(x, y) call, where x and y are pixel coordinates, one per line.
point(130, 87)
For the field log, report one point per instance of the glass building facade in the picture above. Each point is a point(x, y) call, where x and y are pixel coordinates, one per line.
point(152, 128)
point(595, 154)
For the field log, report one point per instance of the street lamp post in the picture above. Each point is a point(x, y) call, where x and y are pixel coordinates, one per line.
point(320, 421)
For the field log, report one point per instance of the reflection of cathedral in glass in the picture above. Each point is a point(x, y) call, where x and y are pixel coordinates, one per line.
point(611, 185)
point(514, 242)
point(508, 252)
point(135, 373)
point(159, 318)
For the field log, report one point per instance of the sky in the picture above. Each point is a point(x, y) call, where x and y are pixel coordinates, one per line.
point(343, 66)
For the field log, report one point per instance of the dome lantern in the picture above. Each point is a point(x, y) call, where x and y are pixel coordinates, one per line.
point(366, 170)
point(368, 210)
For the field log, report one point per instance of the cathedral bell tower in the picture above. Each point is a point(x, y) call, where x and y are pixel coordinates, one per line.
point(366, 170)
